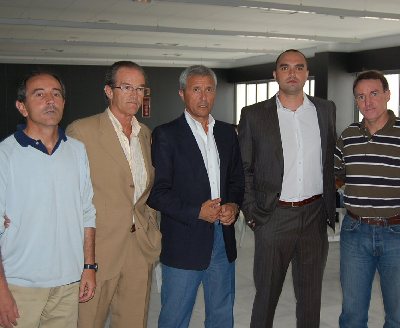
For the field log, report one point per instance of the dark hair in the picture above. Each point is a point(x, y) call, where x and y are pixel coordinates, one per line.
point(113, 69)
point(21, 90)
point(195, 70)
point(285, 52)
point(371, 75)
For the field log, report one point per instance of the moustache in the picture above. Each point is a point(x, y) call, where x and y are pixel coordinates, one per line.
point(50, 107)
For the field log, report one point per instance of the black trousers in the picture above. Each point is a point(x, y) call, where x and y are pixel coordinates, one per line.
point(297, 235)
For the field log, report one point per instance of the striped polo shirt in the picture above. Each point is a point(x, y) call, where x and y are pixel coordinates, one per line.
point(370, 166)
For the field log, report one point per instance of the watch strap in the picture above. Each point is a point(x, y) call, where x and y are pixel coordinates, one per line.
point(93, 266)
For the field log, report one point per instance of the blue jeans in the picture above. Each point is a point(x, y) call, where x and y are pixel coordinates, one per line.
point(363, 250)
point(179, 290)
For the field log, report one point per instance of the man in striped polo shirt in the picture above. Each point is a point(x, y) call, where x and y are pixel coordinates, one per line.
point(367, 158)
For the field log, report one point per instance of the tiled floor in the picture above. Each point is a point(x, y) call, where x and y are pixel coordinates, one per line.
point(285, 313)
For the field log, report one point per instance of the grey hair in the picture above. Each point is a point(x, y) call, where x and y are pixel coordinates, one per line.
point(195, 70)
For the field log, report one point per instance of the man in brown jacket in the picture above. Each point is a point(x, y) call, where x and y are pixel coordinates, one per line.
point(128, 239)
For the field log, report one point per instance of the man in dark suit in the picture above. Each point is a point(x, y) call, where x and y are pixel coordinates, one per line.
point(287, 145)
point(198, 188)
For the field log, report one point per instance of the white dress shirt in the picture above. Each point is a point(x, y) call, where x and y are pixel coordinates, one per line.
point(209, 151)
point(133, 153)
point(301, 143)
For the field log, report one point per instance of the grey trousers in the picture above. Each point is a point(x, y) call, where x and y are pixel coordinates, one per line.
point(296, 235)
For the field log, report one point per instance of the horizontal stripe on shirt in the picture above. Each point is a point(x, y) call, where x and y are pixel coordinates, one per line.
point(371, 167)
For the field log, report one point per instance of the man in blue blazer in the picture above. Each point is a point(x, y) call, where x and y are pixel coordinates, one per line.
point(287, 145)
point(198, 188)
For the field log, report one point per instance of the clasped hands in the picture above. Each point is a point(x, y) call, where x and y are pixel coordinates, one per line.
point(212, 210)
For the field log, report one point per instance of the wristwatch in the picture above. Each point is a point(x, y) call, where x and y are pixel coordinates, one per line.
point(93, 266)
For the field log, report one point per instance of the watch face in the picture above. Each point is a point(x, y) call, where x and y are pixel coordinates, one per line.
point(91, 266)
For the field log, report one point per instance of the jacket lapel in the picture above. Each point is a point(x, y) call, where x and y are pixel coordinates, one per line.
point(109, 141)
point(271, 120)
point(190, 148)
point(222, 151)
point(323, 127)
point(145, 147)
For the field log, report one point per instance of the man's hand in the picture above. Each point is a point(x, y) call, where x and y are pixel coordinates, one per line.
point(87, 286)
point(228, 213)
point(8, 309)
point(210, 210)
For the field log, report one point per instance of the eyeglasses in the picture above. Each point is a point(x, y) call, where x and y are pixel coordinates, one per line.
point(125, 88)
point(372, 94)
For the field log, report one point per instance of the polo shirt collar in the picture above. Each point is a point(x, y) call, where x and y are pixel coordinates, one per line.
point(24, 140)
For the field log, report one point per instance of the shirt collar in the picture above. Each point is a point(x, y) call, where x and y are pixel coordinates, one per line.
point(306, 103)
point(24, 140)
point(390, 123)
point(196, 124)
point(134, 123)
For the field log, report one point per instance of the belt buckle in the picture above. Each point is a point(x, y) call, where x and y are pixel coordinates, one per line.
point(379, 221)
point(383, 221)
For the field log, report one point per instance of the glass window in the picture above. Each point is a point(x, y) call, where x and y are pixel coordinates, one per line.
point(393, 103)
point(251, 97)
point(261, 92)
point(240, 98)
point(312, 87)
point(273, 88)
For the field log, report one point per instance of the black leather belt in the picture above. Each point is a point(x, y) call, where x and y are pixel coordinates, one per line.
point(300, 203)
point(385, 221)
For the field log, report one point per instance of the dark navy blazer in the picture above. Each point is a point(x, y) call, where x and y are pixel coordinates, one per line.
point(181, 185)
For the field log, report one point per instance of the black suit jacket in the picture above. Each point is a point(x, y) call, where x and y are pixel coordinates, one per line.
point(180, 187)
point(262, 154)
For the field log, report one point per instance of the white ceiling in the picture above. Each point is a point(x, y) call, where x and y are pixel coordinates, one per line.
point(216, 33)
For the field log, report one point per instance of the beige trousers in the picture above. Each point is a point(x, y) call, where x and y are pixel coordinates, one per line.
point(125, 297)
point(55, 307)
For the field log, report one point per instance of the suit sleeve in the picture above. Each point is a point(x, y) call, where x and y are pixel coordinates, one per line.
point(236, 175)
point(246, 149)
point(163, 196)
point(72, 130)
point(334, 120)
